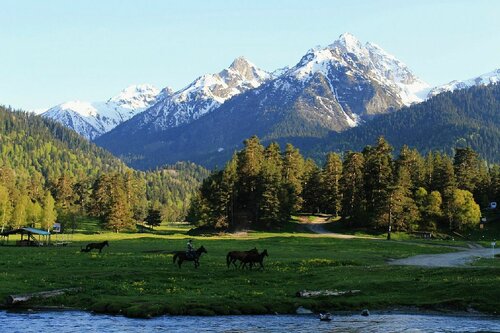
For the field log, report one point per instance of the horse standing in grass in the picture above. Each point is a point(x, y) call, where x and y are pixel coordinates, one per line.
point(254, 258)
point(234, 256)
point(181, 256)
point(97, 246)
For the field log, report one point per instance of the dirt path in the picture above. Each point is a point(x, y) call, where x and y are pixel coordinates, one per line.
point(454, 259)
point(318, 227)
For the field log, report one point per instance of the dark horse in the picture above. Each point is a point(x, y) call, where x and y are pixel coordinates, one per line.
point(234, 256)
point(181, 256)
point(97, 246)
point(254, 258)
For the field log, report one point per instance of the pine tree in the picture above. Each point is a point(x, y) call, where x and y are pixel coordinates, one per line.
point(120, 215)
point(249, 167)
point(229, 192)
point(270, 210)
point(403, 209)
point(153, 218)
point(466, 166)
point(63, 193)
point(444, 178)
point(312, 185)
point(352, 185)
point(332, 173)
point(378, 180)
point(293, 172)
point(411, 160)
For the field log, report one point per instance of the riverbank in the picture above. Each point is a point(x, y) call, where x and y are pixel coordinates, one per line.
point(135, 276)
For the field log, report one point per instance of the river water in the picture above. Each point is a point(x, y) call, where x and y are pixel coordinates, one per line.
point(76, 321)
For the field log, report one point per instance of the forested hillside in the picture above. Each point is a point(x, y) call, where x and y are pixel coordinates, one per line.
point(49, 173)
point(464, 118)
point(261, 187)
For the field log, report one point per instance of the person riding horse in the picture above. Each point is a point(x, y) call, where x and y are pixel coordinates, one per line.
point(190, 249)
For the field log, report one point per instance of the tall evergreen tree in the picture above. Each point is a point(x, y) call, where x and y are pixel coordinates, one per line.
point(378, 179)
point(312, 185)
point(293, 173)
point(153, 218)
point(270, 210)
point(466, 166)
point(332, 173)
point(352, 185)
point(249, 167)
point(403, 209)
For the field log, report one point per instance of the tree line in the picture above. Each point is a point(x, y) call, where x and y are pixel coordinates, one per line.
point(261, 187)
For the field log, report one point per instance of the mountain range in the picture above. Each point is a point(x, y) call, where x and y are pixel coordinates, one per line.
point(330, 90)
point(92, 119)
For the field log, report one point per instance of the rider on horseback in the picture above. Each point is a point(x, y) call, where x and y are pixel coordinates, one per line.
point(190, 249)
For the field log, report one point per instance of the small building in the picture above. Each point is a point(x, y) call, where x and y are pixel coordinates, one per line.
point(29, 236)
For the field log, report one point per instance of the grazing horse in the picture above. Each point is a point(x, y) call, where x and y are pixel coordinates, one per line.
point(97, 246)
point(253, 258)
point(181, 256)
point(234, 256)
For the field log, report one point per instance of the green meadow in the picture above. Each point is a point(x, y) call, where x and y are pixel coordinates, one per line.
point(135, 275)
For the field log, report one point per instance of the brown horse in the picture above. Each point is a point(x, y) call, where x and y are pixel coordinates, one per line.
point(181, 256)
point(97, 246)
point(234, 256)
point(254, 258)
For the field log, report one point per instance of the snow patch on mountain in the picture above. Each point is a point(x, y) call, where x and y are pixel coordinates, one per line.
point(482, 80)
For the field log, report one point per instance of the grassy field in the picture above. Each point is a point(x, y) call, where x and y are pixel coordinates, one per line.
point(135, 276)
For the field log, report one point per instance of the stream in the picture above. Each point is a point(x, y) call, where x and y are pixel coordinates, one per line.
point(77, 321)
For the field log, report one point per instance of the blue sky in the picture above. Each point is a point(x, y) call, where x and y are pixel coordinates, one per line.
point(57, 50)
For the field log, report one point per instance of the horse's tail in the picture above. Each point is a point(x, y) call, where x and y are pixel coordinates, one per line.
point(228, 259)
point(175, 257)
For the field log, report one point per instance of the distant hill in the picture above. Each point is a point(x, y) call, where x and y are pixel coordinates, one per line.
point(31, 142)
point(469, 117)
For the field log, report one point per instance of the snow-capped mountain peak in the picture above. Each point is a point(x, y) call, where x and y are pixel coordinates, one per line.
point(204, 94)
point(135, 96)
point(348, 55)
point(348, 43)
point(485, 79)
point(92, 119)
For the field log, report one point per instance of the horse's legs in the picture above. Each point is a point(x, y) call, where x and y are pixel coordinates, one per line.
point(179, 261)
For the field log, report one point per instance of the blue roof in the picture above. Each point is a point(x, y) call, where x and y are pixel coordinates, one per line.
point(37, 231)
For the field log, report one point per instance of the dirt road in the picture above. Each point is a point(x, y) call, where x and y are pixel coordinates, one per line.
point(454, 259)
point(318, 227)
